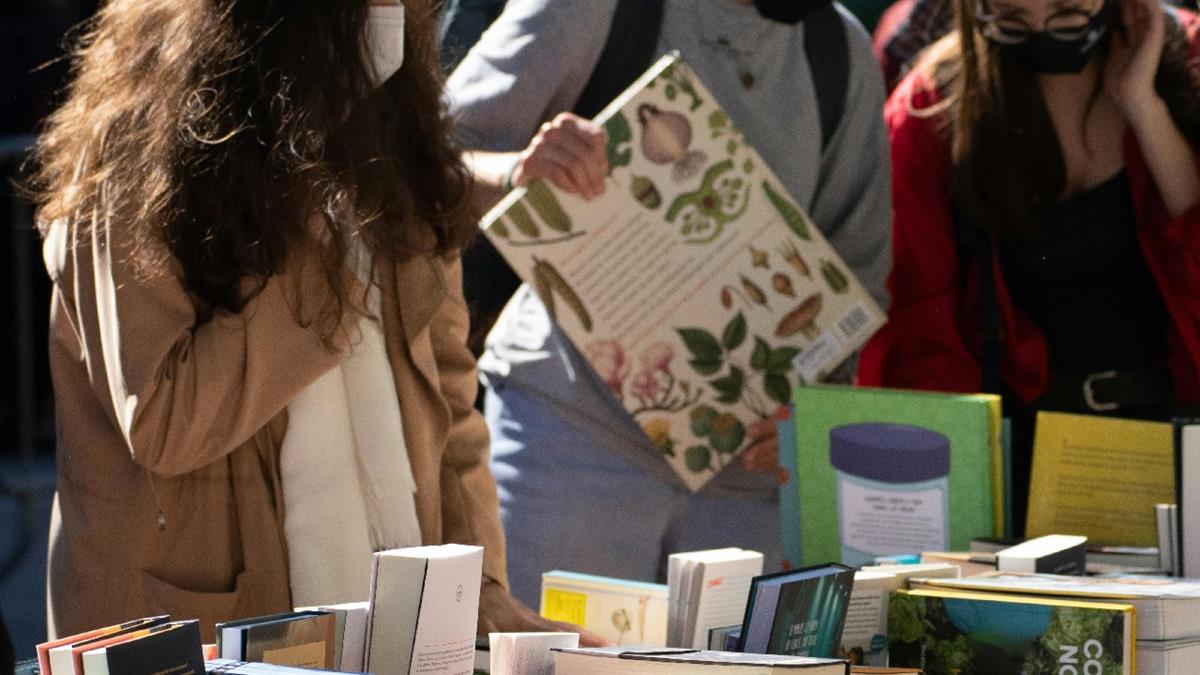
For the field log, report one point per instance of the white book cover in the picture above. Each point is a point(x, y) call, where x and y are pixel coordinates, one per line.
point(697, 289)
point(864, 637)
point(724, 587)
point(351, 634)
point(424, 610)
point(1187, 491)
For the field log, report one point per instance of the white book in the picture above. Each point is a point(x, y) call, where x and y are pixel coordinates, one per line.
point(350, 634)
point(1187, 495)
point(708, 589)
point(527, 653)
point(1050, 554)
point(424, 609)
point(921, 571)
point(865, 633)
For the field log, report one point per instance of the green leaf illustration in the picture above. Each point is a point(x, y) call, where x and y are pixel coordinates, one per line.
point(701, 343)
point(761, 358)
point(619, 134)
point(698, 458)
point(706, 367)
point(781, 359)
point(735, 333)
point(670, 92)
point(777, 388)
point(729, 388)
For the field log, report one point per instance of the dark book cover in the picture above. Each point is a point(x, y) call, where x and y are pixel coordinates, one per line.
point(798, 613)
point(170, 649)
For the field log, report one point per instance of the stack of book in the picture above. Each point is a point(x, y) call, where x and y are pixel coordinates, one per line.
point(1167, 636)
point(148, 646)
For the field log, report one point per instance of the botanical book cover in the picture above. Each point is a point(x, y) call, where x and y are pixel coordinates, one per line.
point(984, 634)
point(695, 286)
point(626, 613)
point(1100, 477)
point(882, 470)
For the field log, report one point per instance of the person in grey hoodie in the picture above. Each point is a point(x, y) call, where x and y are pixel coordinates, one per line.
point(582, 488)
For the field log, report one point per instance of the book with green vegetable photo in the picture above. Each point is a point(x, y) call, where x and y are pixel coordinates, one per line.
point(695, 286)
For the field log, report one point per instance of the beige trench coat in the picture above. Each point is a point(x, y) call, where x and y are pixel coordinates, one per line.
point(158, 415)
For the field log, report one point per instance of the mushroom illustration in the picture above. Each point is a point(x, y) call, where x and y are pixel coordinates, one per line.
point(802, 319)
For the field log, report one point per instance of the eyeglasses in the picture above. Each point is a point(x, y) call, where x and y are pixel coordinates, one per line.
point(1067, 25)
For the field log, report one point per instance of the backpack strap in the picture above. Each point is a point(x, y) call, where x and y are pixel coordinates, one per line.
point(828, 54)
point(627, 53)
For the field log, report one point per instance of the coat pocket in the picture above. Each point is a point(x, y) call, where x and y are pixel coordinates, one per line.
point(181, 603)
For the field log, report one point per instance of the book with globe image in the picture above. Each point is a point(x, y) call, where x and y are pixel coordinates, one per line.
point(697, 289)
point(996, 634)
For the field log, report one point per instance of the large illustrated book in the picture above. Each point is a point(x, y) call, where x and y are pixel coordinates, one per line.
point(880, 471)
point(697, 289)
point(998, 634)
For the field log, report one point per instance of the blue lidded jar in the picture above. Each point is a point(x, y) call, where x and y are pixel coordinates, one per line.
point(893, 489)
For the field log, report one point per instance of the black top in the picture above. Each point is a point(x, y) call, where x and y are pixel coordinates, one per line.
point(1080, 276)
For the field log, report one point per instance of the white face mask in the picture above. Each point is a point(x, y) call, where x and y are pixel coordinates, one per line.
point(385, 40)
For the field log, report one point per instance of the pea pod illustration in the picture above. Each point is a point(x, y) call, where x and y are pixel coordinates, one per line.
point(500, 228)
point(549, 284)
point(836, 279)
point(523, 221)
point(788, 212)
point(546, 204)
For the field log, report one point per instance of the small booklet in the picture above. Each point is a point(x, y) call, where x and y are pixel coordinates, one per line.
point(695, 286)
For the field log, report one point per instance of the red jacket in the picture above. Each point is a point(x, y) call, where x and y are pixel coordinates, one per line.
point(931, 340)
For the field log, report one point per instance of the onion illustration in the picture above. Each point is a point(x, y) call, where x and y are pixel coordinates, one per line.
point(665, 135)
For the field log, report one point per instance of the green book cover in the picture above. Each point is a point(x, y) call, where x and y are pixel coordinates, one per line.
point(947, 632)
point(880, 471)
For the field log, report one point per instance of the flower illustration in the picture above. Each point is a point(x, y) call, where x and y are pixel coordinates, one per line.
point(657, 357)
point(645, 384)
point(608, 358)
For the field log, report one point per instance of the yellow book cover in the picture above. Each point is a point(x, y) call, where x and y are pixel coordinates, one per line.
point(1100, 477)
point(626, 613)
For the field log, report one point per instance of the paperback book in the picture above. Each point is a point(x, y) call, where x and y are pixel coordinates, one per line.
point(707, 590)
point(624, 612)
point(1100, 477)
point(695, 286)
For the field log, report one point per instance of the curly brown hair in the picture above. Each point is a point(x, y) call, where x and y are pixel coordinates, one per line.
point(228, 134)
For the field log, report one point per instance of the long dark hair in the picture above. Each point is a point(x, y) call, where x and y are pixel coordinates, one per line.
point(230, 134)
point(1006, 157)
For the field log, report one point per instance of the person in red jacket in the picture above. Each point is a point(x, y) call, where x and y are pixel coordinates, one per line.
point(1051, 144)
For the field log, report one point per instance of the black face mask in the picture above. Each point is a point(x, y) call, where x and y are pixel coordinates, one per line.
point(788, 11)
point(1047, 55)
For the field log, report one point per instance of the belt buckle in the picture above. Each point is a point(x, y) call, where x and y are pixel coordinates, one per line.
point(1089, 395)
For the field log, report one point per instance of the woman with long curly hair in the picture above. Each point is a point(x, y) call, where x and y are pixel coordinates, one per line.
point(252, 218)
point(1047, 213)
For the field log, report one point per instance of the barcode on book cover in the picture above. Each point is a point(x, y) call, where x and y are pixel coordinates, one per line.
point(854, 321)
